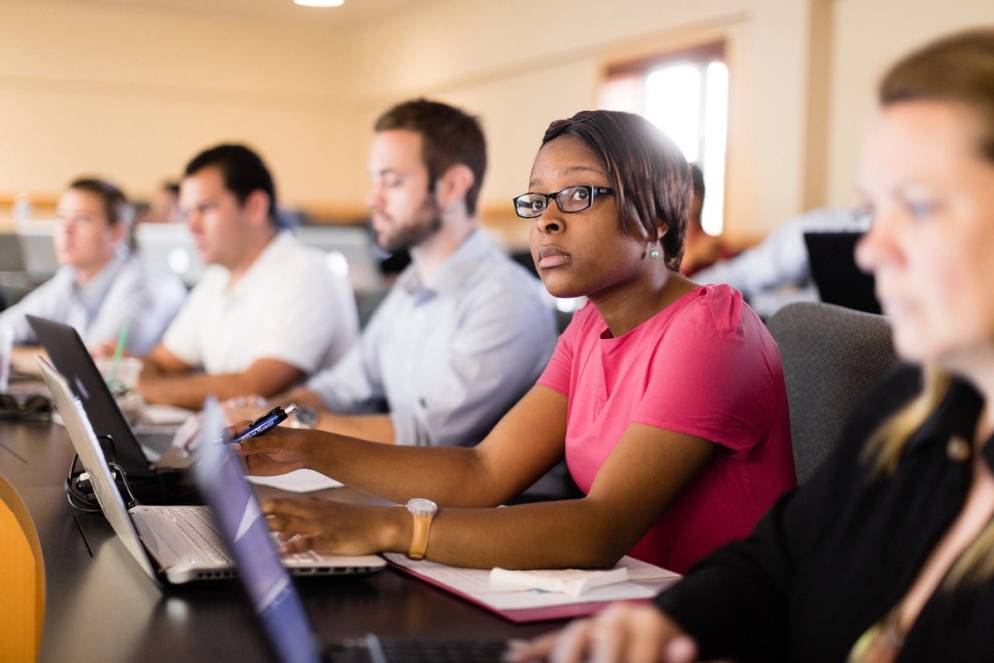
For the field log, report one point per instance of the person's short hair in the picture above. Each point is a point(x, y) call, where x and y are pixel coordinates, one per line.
point(958, 69)
point(242, 170)
point(647, 171)
point(117, 209)
point(449, 136)
point(113, 200)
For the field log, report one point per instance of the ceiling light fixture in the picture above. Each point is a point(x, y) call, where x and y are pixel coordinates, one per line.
point(319, 3)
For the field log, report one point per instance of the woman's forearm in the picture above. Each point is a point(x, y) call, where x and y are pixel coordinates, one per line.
point(563, 534)
point(451, 476)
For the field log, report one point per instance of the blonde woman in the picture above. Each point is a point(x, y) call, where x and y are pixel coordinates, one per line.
point(888, 553)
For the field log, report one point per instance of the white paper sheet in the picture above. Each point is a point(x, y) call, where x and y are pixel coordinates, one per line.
point(164, 415)
point(645, 581)
point(298, 481)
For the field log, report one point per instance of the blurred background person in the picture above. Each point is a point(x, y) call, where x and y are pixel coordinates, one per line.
point(267, 313)
point(102, 286)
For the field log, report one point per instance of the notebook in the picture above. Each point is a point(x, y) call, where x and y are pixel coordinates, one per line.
point(179, 544)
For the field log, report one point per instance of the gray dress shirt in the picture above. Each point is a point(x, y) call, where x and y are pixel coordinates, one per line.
point(447, 357)
point(125, 290)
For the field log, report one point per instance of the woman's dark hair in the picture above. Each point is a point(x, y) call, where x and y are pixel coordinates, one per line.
point(115, 204)
point(647, 171)
point(958, 69)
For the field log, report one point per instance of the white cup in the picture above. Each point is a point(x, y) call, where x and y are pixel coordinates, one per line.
point(6, 349)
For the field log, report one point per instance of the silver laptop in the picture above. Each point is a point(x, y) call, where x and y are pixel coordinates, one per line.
point(179, 544)
point(170, 246)
point(351, 252)
point(273, 596)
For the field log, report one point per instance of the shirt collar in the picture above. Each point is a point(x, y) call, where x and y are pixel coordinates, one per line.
point(261, 266)
point(91, 293)
point(452, 273)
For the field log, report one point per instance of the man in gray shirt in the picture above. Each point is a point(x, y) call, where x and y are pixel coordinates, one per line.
point(464, 332)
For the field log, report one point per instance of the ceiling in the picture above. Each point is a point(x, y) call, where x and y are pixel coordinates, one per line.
point(352, 13)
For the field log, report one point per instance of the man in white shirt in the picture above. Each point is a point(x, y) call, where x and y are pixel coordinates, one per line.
point(465, 331)
point(268, 311)
point(103, 289)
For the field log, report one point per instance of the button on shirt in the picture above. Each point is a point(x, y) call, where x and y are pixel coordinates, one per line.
point(289, 306)
point(126, 290)
point(447, 357)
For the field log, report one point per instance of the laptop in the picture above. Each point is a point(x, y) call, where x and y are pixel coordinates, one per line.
point(832, 257)
point(170, 246)
point(351, 252)
point(38, 246)
point(264, 574)
point(157, 475)
point(180, 544)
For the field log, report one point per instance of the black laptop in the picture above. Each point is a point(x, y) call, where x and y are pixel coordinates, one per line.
point(832, 256)
point(155, 479)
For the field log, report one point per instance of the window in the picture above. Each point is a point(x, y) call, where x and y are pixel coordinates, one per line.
point(686, 95)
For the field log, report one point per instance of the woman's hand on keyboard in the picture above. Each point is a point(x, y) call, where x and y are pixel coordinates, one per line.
point(337, 528)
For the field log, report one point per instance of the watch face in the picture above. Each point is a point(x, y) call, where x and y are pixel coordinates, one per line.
point(419, 506)
point(307, 416)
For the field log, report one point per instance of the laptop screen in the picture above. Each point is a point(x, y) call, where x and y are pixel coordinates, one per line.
point(71, 358)
point(274, 598)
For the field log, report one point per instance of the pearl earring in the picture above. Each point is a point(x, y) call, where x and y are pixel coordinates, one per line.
point(654, 252)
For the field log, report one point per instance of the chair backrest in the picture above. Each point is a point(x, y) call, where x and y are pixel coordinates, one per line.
point(22, 579)
point(831, 357)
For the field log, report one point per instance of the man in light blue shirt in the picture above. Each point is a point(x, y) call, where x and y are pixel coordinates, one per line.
point(465, 331)
point(102, 286)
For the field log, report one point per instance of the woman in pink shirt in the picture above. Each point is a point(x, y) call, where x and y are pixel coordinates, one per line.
point(666, 398)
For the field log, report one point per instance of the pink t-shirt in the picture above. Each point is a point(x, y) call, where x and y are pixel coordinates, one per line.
point(704, 366)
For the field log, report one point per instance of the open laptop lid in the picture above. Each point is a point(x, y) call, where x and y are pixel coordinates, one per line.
point(832, 258)
point(87, 447)
point(218, 473)
point(71, 358)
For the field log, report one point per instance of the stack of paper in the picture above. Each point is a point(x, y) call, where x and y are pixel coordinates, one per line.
point(524, 604)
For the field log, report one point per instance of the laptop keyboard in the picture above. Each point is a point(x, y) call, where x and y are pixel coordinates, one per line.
point(373, 649)
point(198, 527)
point(199, 530)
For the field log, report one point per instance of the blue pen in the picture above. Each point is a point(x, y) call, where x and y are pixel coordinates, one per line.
point(264, 423)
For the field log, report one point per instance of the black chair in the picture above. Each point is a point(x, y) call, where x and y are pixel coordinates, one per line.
point(831, 357)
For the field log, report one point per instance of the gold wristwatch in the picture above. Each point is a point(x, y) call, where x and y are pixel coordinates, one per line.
point(423, 512)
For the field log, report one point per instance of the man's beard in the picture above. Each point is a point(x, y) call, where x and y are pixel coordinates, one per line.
point(428, 222)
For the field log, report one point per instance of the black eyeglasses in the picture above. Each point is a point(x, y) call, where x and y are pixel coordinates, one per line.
point(569, 200)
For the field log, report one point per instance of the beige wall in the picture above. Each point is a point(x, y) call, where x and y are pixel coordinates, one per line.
point(132, 94)
point(869, 35)
point(520, 64)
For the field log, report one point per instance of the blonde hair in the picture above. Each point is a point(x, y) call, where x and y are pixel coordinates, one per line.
point(958, 69)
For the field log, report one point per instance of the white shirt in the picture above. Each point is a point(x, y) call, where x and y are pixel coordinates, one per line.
point(776, 272)
point(126, 291)
point(289, 306)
